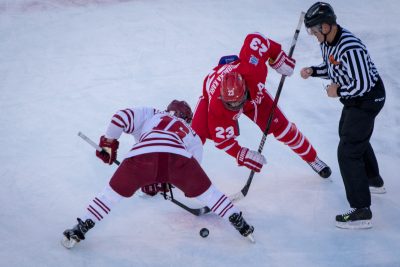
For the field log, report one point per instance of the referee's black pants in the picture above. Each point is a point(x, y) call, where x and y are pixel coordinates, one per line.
point(357, 161)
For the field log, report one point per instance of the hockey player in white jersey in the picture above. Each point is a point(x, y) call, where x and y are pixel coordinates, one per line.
point(167, 151)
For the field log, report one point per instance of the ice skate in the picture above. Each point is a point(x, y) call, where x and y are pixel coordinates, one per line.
point(76, 234)
point(376, 185)
point(320, 167)
point(242, 226)
point(355, 219)
point(377, 189)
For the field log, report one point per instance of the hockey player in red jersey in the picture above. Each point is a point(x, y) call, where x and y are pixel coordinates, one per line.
point(167, 151)
point(236, 86)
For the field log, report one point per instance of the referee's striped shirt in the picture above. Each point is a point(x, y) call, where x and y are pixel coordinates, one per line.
point(346, 62)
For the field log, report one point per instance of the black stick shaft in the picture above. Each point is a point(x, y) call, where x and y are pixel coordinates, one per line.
point(245, 189)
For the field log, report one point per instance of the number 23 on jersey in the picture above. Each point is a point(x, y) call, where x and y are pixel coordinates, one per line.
point(257, 45)
point(224, 133)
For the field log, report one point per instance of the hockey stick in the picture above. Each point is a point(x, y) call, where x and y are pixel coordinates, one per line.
point(94, 145)
point(196, 212)
point(245, 189)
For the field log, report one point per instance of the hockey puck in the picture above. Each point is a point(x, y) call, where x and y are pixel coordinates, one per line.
point(204, 232)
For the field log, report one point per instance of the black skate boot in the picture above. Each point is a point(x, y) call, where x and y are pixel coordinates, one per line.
point(76, 234)
point(376, 185)
point(320, 167)
point(242, 226)
point(355, 219)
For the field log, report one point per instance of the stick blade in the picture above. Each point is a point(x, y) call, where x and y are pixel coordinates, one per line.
point(236, 197)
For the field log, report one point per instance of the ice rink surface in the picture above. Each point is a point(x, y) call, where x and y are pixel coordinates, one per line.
point(66, 66)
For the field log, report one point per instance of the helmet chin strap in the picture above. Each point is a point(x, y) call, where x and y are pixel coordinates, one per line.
point(326, 35)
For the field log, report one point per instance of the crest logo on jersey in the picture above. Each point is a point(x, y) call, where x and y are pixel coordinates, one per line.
point(253, 60)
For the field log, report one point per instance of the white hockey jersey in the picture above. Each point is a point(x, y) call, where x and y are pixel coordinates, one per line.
point(155, 131)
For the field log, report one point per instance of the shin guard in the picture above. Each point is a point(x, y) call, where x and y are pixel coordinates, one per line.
point(292, 137)
point(218, 202)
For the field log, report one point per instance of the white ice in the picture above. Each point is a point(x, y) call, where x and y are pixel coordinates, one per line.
point(68, 65)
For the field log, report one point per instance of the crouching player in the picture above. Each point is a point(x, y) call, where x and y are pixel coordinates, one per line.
point(167, 151)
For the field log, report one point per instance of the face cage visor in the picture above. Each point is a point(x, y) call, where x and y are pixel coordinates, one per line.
point(237, 105)
point(314, 29)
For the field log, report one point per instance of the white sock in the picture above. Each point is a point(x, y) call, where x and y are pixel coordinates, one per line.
point(102, 204)
point(218, 202)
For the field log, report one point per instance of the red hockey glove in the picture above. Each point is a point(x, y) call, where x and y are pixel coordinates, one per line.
point(251, 159)
point(283, 64)
point(153, 189)
point(110, 147)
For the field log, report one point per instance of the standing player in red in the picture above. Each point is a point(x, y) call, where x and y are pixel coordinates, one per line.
point(167, 151)
point(236, 86)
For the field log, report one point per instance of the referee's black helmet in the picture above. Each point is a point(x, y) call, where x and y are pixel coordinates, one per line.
point(319, 13)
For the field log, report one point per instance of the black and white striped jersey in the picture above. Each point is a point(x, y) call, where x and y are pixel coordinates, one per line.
point(346, 62)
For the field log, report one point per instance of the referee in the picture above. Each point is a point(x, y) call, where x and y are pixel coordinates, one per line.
point(356, 81)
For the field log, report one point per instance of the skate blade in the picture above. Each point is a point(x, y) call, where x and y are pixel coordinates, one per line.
point(68, 243)
point(251, 238)
point(377, 190)
point(364, 224)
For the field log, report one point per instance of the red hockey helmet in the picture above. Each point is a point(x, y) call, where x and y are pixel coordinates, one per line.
point(233, 91)
point(181, 110)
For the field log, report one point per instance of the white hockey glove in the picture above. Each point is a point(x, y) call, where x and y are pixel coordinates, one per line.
point(283, 64)
point(251, 159)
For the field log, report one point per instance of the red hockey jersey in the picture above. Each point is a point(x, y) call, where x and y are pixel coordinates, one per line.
point(211, 119)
